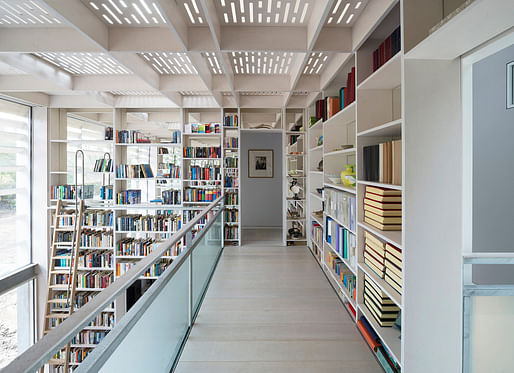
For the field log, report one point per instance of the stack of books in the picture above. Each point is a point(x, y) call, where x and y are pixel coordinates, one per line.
point(382, 308)
point(374, 254)
point(393, 267)
point(383, 208)
point(383, 162)
point(387, 49)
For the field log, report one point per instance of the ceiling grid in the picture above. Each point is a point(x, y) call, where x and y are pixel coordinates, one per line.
point(197, 62)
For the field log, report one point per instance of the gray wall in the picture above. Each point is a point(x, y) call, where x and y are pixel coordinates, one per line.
point(261, 198)
point(493, 163)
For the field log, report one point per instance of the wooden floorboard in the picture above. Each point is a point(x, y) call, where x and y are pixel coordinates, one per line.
point(271, 309)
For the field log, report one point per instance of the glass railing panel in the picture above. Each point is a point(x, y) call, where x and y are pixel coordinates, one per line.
point(154, 342)
point(205, 255)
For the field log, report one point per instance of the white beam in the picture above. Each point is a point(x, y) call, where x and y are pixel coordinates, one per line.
point(143, 39)
point(139, 67)
point(27, 83)
point(30, 98)
point(279, 83)
point(141, 102)
point(265, 102)
point(176, 83)
point(255, 38)
point(176, 24)
point(50, 39)
point(80, 17)
point(39, 68)
point(110, 83)
point(77, 101)
point(325, 41)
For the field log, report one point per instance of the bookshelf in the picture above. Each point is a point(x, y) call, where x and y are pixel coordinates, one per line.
point(231, 176)
point(295, 226)
point(347, 133)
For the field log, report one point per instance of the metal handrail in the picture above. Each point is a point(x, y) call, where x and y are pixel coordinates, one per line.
point(38, 354)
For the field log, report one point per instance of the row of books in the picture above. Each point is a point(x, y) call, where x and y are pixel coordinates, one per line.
point(383, 162)
point(231, 142)
point(202, 128)
point(171, 197)
point(341, 240)
point(95, 260)
point(317, 233)
point(343, 274)
point(129, 197)
point(330, 106)
point(231, 198)
point(169, 170)
point(385, 260)
point(382, 308)
point(375, 343)
point(231, 215)
point(88, 337)
point(97, 218)
point(134, 246)
point(231, 232)
point(68, 192)
point(131, 137)
point(134, 171)
point(103, 165)
point(160, 223)
point(155, 269)
point(383, 208)
point(201, 195)
point(231, 182)
point(341, 206)
point(231, 162)
point(94, 280)
point(204, 173)
point(202, 152)
point(103, 319)
point(106, 192)
point(231, 120)
point(94, 238)
point(387, 49)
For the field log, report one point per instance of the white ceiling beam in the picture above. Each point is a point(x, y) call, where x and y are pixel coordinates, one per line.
point(29, 98)
point(143, 102)
point(143, 39)
point(78, 101)
point(265, 102)
point(308, 83)
point(177, 83)
point(27, 83)
point(214, 23)
point(110, 83)
point(139, 67)
point(280, 83)
point(173, 16)
point(314, 26)
point(325, 41)
point(38, 68)
point(50, 39)
point(255, 38)
point(297, 69)
point(78, 16)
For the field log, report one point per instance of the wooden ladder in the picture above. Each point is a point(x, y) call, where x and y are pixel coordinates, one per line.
point(61, 294)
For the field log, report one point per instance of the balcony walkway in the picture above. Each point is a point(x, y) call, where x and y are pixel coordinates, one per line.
point(270, 309)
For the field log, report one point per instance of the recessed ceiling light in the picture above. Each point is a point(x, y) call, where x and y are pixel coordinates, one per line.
point(349, 18)
point(286, 12)
point(195, 6)
point(233, 7)
point(186, 5)
point(148, 10)
point(115, 7)
point(305, 7)
point(358, 5)
point(343, 13)
point(337, 6)
point(93, 5)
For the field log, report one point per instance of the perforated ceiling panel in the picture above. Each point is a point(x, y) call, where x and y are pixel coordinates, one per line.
point(127, 12)
point(169, 63)
point(85, 63)
point(262, 93)
point(192, 12)
point(194, 93)
point(213, 62)
point(265, 12)
point(271, 63)
point(134, 93)
point(345, 12)
point(26, 13)
point(317, 61)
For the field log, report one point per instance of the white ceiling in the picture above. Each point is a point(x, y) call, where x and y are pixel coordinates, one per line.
point(170, 49)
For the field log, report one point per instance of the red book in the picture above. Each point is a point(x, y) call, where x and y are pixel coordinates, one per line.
point(387, 49)
point(347, 91)
point(372, 343)
point(352, 86)
point(352, 310)
point(381, 54)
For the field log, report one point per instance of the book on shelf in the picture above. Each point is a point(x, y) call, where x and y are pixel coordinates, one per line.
point(383, 162)
point(231, 120)
point(387, 49)
point(131, 137)
point(381, 307)
point(382, 208)
point(393, 263)
point(202, 152)
point(106, 192)
point(386, 362)
point(341, 240)
point(108, 133)
point(341, 206)
point(369, 334)
point(103, 165)
point(231, 142)
point(201, 128)
point(135, 171)
point(129, 197)
point(68, 192)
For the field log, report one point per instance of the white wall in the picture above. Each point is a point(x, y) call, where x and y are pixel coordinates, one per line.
point(261, 198)
point(493, 159)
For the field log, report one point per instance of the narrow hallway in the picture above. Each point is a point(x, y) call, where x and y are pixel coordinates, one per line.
point(271, 309)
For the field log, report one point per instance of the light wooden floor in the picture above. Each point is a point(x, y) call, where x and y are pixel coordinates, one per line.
point(270, 309)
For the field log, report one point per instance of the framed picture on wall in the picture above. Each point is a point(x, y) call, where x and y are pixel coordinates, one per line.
point(260, 163)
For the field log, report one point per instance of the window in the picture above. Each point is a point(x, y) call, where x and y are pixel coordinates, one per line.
point(16, 305)
point(14, 186)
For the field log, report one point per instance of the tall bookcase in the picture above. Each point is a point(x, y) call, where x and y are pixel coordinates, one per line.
point(373, 118)
point(231, 176)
